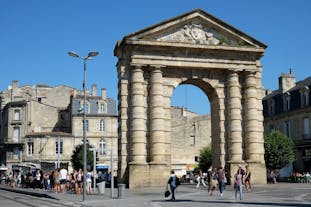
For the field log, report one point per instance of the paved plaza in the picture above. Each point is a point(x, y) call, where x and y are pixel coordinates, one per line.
point(281, 194)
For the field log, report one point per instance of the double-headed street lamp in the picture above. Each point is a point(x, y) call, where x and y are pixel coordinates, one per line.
point(89, 57)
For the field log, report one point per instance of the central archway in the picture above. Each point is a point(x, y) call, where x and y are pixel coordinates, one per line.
point(199, 49)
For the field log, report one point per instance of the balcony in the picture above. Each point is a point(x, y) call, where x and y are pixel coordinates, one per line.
point(303, 141)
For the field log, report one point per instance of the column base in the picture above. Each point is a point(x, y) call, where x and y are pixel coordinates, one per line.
point(148, 175)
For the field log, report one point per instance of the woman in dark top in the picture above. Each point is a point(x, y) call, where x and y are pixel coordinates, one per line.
point(247, 181)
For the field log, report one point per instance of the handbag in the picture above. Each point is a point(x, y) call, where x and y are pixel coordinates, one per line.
point(167, 193)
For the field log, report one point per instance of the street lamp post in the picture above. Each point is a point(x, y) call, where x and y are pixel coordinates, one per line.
point(85, 59)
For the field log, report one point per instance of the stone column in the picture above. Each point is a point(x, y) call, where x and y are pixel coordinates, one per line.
point(251, 119)
point(138, 124)
point(157, 134)
point(234, 118)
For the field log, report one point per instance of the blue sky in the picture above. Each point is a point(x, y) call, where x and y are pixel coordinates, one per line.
point(36, 35)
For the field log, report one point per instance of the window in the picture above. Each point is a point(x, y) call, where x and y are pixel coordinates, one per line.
point(16, 135)
point(287, 129)
point(87, 107)
point(16, 152)
point(304, 96)
point(17, 114)
point(86, 125)
point(102, 125)
point(271, 107)
point(102, 147)
point(102, 108)
point(192, 134)
point(30, 146)
point(59, 146)
point(286, 101)
point(306, 128)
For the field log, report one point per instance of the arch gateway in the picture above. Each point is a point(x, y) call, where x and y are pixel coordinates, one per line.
point(193, 48)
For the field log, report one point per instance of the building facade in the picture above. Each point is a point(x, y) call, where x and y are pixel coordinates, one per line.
point(39, 126)
point(189, 131)
point(288, 110)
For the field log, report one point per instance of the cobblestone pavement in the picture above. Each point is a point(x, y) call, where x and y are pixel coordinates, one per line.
point(271, 195)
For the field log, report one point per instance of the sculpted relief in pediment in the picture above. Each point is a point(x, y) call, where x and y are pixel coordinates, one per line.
point(192, 33)
point(195, 33)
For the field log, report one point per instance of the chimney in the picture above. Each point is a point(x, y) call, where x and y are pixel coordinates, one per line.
point(286, 81)
point(74, 93)
point(14, 84)
point(94, 90)
point(104, 94)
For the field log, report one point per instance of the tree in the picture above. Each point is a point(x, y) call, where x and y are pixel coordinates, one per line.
point(279, 150)
point(77, 157)
point(205, 158)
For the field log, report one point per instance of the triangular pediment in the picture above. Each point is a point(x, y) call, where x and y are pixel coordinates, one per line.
point(196, 27)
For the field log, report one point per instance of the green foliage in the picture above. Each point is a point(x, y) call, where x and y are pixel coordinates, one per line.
point(205, 158)
point(77, 157)
point(279, 150)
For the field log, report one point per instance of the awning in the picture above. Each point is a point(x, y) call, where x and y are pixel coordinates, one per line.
point(102, 167)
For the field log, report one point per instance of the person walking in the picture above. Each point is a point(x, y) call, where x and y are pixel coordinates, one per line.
point(247, 180)
point(172, 183)
point(200, 179)
point(213, 181)
point(221, 180)
point(238, 184)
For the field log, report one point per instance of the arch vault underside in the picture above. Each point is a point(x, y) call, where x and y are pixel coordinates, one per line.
point(198, 49)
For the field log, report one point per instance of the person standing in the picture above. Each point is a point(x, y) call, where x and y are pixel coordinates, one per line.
point(63, 179)
point(172, 183)
point(247, 180)
point(88, 182)
point(238, 184)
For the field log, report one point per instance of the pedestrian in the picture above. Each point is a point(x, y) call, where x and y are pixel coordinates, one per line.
point(221, 180)
point(172, 183)
point(37, 181)
point(63, 179)
point(79, 176)
point(88, 182)
point(56, 180)
point(213, 181)
point(247, 180)
point(200, 179)
point(238, 184)
point(46, 181)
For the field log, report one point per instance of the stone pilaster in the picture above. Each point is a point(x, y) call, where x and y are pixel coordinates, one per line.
point(138, 124)
point(234, 118)
point(157, 119)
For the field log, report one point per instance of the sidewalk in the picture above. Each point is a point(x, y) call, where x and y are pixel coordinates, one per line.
point(282, 194)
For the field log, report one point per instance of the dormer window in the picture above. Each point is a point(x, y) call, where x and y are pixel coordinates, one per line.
point(87, 107)
point(102, 107)
point(271, 107)
point(304, 96)
point(286, 101)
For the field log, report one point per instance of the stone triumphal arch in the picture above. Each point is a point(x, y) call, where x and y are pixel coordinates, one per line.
point(194, 48)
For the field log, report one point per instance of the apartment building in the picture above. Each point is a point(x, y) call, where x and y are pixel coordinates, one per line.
point(40, 125)
point(288, 109)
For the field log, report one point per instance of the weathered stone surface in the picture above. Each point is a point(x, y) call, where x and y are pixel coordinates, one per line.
point(194, 48)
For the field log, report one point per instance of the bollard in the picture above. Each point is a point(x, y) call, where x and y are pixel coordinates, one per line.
point(121, 189)
point(101, 187)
